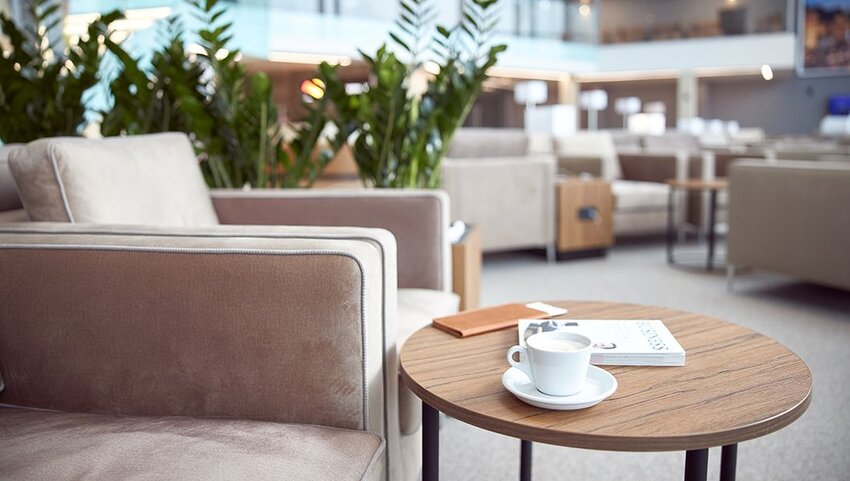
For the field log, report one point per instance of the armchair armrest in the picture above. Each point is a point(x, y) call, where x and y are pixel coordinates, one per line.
point(419, 220)
point(273, 324)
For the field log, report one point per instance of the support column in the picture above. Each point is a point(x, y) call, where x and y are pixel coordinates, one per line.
point(568, 93)
point(687, 96)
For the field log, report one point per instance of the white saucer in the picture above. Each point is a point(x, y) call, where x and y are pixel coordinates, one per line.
point(599, 385)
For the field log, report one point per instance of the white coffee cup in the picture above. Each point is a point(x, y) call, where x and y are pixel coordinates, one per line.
point(555, 361)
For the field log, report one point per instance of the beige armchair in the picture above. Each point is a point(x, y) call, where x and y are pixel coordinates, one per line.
point(155, 181)
point(495, 181)
point(640, 205)
point(790, 217)
point(196, 353)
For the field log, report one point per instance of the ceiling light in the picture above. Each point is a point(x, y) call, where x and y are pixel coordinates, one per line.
point(309, 58)
point(766, 72)
point(135, 19)
point(584, 10)
point(315, 88)
point(525, 73)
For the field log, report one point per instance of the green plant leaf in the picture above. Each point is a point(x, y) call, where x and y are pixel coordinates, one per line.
point(400, 139)
point(399, 41)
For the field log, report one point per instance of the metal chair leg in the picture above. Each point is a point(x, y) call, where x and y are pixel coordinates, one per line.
point(730, 277)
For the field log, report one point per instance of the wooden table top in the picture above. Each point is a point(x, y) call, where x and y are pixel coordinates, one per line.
point(736, 385)
point(698, 184)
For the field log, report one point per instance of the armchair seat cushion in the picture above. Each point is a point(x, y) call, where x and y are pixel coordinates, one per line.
point(418, 307)
point(62, 446)
point(632, 195)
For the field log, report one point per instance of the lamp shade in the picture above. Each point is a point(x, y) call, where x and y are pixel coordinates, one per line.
point(647, 123)
point(558, 120)
point(691, 125)
point(627, 105)
point(594, 100)
point(531, 92)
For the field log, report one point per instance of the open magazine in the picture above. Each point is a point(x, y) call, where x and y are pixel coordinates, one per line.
point(642, 342)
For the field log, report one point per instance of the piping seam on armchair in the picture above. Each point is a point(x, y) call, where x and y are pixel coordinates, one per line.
point(61, 185)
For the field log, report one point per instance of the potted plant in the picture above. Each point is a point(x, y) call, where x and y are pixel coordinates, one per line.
point(402, 124)
point(43, 81)
point(228, 112)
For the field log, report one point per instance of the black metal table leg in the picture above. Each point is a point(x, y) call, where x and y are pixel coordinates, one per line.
point(712, 213)
point(670, 226)
point(430, 443)
point(696, 465)
point(728, 462)
point(525, 460)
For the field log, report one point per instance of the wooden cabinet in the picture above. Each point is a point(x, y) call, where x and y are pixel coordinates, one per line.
point(585, 222)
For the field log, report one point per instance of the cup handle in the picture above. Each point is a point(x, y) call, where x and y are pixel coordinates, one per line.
point(523, 364)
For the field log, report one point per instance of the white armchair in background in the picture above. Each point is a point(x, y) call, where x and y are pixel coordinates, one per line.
point(495, 181)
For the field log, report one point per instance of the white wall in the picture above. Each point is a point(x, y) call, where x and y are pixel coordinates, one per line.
point(785, 105)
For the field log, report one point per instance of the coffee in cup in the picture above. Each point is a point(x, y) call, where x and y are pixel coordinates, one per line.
point(556, 361)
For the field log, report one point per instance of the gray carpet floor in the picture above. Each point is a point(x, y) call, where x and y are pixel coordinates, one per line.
point(813, 321)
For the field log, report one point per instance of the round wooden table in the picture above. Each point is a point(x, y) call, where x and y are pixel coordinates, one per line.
point(736, 385)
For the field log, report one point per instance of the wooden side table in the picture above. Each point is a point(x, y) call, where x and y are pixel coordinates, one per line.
point(585, 223)
point(736, 385)
point(713, 186)
point(466, 268)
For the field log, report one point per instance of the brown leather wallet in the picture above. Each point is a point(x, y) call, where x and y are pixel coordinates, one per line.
point(486, 319)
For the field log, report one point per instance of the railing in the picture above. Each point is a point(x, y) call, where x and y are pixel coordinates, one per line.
point(624, 21)
point(570, 20)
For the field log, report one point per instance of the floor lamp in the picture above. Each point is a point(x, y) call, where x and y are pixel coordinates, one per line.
point(626, 106)
point(593, 101)
point(530, 93)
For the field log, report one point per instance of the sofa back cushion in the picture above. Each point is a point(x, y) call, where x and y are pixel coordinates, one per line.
point(9, 199)
point(592, 143)
point(488, 143)
point(144, 179)
point(671, 142)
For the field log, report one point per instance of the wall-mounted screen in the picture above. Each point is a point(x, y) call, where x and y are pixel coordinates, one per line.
point(824, 37)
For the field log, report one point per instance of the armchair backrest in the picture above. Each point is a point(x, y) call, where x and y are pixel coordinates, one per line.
point(488, 143)
point(671, 142)
point(592, 143)
point(145, 179)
